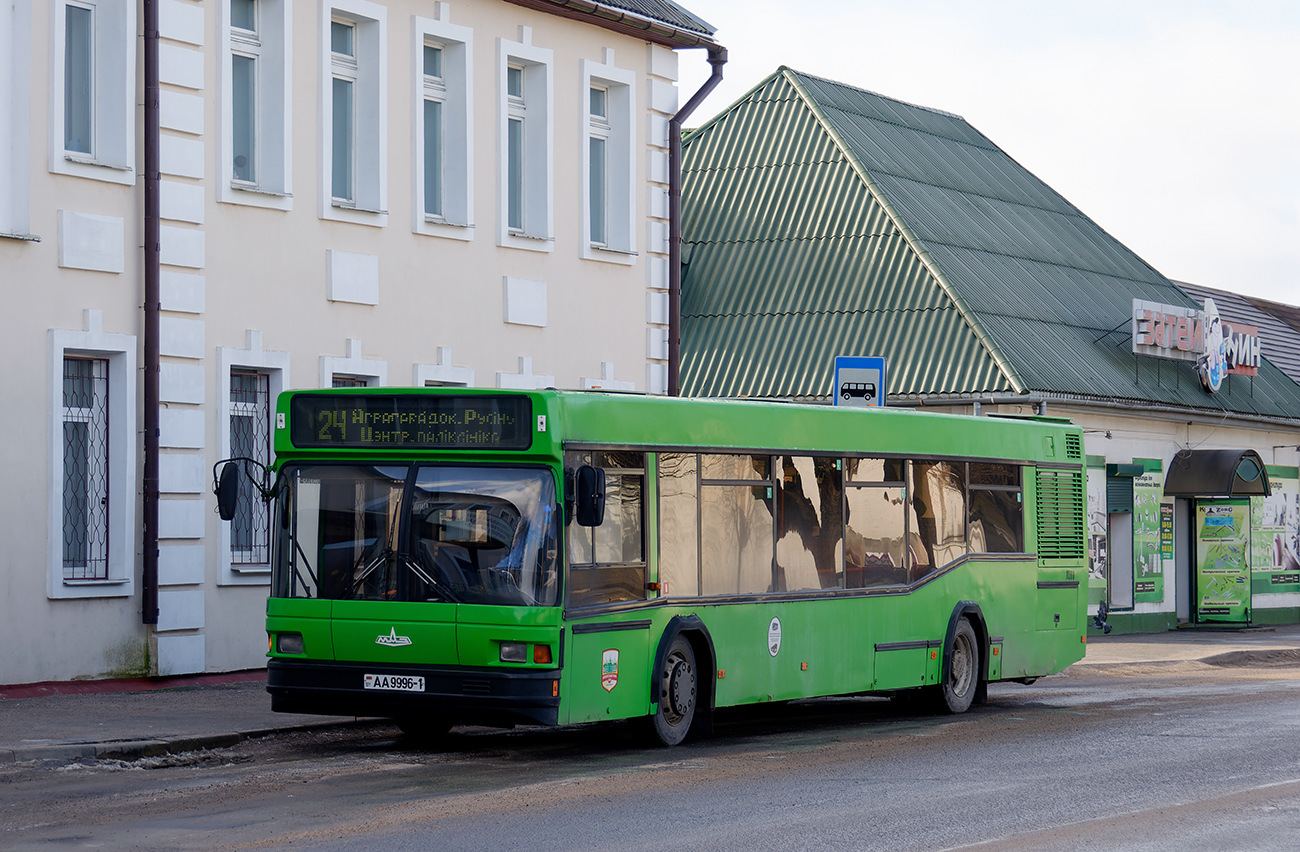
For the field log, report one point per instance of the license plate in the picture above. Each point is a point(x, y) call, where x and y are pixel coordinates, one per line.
point(395, 683)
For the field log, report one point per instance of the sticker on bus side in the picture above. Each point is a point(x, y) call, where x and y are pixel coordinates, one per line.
point(609, 670)
point(774, 637)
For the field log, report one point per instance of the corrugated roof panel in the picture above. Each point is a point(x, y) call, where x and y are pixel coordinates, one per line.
point(771, 296)
point(750, 355)
point(663, 10)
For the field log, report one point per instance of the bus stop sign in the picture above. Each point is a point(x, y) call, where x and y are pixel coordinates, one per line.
point(859, 381)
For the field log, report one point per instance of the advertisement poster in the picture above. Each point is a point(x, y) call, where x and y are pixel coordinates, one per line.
point(1275, 537)
point(1097, 570)
point(1222, 560)
point(1148, 564)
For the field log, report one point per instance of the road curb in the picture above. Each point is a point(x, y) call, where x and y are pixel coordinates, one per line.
point(157, 747)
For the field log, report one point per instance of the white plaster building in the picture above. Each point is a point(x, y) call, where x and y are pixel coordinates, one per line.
point(351, 192)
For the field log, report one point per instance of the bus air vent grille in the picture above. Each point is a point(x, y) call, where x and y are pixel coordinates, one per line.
point(1073, 446)
point(476, 687)
point(1061, 514)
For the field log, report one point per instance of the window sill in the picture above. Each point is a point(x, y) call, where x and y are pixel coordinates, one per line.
point(605, 254)
point(70, 582)
point(26, 238)
point(254, 190)
point(91, 161)
point(526, 241)
point(250, 570)
point(356, 208)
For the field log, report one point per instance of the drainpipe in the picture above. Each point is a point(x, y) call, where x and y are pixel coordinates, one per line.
point(717, 58)
point(152, 307)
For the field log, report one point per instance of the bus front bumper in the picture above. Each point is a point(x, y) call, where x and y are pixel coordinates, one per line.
point(466, 695)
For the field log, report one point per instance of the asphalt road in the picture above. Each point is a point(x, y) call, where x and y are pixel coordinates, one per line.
point(1158, 757)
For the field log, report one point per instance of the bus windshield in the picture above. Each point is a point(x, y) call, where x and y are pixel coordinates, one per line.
point(482, 535)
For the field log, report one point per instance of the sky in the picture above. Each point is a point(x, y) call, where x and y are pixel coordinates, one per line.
point(1173, 124)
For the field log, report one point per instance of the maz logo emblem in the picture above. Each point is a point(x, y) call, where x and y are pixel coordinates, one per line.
point(392, 639)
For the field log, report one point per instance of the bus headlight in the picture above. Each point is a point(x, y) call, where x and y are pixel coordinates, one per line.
point(514, 652)
point(289, 643)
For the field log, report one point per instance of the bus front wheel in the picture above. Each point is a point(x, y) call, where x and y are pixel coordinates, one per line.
point(676, 690)
point(963, 670)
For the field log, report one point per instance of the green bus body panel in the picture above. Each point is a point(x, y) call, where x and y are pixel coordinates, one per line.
point(829, 644)
point(835, 637)
point(310, 618)
point(585, 696)
point(416, 633)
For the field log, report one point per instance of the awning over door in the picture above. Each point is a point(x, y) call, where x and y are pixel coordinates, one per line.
point(1216, 473)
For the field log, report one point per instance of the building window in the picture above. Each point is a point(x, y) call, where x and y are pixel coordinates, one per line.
point(85, 469)
point(15, 118)
point(526, 131)
point(250, 437)
point(92, 109)
point(256, 104)
point(343, 381)
point(435, 92)
point(443, 162)
point(92, 438)
point(598, 167)
point(354, 113)
point(78, 78)
point(609, 158)
point(251, 379)
point(343, 65)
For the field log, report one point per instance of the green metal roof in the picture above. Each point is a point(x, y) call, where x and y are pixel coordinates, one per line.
point(820, 219)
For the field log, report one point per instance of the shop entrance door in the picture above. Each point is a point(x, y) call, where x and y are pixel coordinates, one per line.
point(1222, 580)
point(1120, 549)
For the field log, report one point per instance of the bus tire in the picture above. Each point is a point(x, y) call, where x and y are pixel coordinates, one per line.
point(677, 692)
point(961, 670)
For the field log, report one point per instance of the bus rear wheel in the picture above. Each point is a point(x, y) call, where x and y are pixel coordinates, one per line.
point(963, 670)
point(676, 690)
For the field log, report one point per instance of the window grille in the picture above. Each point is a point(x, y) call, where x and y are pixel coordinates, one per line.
point(250, 437)
point(85, 469)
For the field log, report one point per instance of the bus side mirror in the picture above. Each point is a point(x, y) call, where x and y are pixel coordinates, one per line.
point(590, 485)
point(228, 491)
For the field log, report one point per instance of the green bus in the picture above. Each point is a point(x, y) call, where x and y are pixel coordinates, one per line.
point(445, 556)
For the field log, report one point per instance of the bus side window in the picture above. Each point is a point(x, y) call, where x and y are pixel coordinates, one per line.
point(875, 546)
point(679, 553)
point(808, 522)
point(736, 497)
point(937, 514)
point(997, 517)
point(607, 563)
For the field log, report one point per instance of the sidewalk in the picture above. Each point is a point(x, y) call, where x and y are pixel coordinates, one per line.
point(142, 718)
point(130, 719)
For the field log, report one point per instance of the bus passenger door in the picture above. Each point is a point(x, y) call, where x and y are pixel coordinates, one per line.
point(607, 670)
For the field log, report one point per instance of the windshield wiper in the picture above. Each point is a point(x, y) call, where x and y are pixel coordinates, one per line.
point(388, 556)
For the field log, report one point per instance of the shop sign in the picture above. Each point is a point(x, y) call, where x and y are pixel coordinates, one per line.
point(1187, 334)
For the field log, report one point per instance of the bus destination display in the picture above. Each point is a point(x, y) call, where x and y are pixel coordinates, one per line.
point(411, 422)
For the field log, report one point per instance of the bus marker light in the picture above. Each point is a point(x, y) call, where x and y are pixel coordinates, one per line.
point(541, 654)
point(722, 673)
point(270, 643)
point(555, 689)
point(803, 667)
point(934, 655)
point(1084, 639)
point(996, 650)
point(514, 652)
